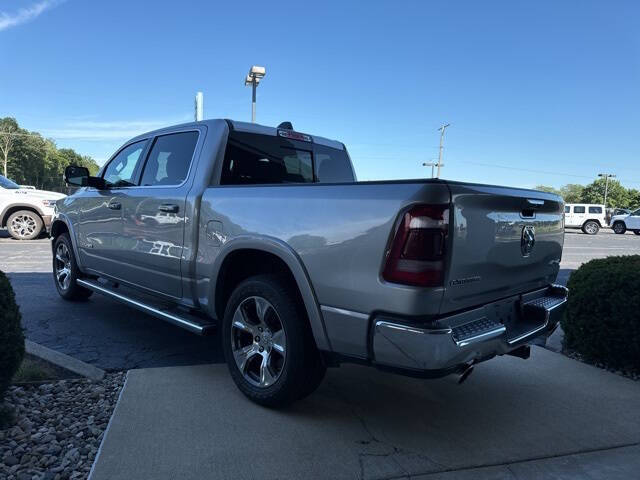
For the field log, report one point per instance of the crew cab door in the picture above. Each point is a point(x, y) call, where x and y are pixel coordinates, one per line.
point(154, 216)
point(578, 215)
point(633, 220)
point(100, 212)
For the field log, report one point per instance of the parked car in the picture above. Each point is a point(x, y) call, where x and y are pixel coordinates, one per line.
point(25, 212)
point(588, 217)
point(621, 223)
point(274, 242)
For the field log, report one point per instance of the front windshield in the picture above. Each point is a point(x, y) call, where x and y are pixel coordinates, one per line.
point(6, 183)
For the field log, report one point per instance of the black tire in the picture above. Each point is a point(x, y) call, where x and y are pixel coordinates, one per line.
point(24, 225)
point(293, 374)
point(637, 232)
point(66, 272)
point(590, 227)
point(619, 228)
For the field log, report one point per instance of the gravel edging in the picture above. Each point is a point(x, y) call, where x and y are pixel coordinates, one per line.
point(59, 427)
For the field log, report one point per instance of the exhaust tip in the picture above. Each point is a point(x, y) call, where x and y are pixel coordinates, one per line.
point(465, 374)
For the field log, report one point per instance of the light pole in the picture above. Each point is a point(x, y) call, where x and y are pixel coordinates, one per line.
point(432, 164)
point(253, 78)
point(441, 129)
point(199, 107)
point(606, 176)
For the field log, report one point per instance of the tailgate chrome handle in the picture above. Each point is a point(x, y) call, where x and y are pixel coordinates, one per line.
point(535, 201)
point(168, 208)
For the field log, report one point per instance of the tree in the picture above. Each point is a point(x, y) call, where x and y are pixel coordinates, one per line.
point(8, 129)
point(545, 188)
point(617, 195)
point(572, 193)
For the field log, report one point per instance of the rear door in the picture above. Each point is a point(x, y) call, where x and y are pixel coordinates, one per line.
point(503, 242)
point(579, 215)
point(154, 214)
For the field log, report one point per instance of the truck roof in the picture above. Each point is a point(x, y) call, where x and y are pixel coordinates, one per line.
point(241, 127)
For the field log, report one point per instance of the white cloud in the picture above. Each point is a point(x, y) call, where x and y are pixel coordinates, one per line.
point(109, 130)
point(26, 14)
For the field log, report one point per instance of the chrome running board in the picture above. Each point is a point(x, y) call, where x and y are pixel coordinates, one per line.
point(181, 319)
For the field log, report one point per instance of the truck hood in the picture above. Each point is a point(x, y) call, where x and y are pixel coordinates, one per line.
point(28, 193)
point(618, 217)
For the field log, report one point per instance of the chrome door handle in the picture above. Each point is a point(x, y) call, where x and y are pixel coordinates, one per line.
point(115, 205)
point(168, 208)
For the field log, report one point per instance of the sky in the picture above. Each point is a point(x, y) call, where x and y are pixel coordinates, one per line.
point(542, 92)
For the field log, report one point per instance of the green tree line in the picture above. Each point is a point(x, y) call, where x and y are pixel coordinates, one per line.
point(28, 158)
point(617, 195)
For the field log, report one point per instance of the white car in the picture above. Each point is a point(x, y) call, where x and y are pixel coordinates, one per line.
point(588, 217)
point(25, 212)
point(622, 223)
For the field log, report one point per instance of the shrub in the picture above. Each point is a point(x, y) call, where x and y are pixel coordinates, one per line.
point(602, 320)
point(11, 335)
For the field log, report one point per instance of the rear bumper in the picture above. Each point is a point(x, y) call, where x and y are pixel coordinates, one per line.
point(470, 337)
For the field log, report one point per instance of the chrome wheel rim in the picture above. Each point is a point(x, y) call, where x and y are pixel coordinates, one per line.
point(63, 266)
point(590, 228)
point(258, 342)
point(23, 225)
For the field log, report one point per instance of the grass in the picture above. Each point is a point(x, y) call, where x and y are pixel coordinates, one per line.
point(34, 369)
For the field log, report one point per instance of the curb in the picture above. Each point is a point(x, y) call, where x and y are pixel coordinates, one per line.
point(64, 361)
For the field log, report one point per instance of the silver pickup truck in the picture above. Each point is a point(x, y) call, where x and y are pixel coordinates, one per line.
point(265, 235)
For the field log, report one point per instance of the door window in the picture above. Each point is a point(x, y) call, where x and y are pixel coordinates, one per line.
point(122, 168)
point(578, 210)
point(170, 159)
point(567, 209)
point(595, 209)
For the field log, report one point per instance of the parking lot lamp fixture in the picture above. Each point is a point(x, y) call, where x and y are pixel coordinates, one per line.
point(606, 176)
point(256, 74)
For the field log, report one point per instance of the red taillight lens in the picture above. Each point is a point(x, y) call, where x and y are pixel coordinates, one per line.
point(416, 256)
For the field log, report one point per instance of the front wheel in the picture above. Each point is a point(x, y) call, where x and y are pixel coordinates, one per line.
point(268, 344)
point(637, 232)
point(66, 272)
point(619, 228)
point(24, 225)
point(591, 227)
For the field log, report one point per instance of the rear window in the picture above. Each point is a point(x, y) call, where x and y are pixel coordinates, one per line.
point(252, 159)
point(595, 209)
point(578, 209)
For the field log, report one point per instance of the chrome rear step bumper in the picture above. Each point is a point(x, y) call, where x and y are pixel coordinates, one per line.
point(469, 337)
point(181, 319)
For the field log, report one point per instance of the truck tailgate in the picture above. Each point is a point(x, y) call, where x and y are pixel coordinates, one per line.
point(503, 241)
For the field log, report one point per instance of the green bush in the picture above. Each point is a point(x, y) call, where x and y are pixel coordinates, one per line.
point(11, 335)
point(602, 320)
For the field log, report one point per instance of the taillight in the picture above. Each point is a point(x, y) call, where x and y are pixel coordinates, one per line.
point(416, 256)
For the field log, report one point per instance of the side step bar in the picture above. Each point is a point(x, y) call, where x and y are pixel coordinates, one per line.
point(181, 319)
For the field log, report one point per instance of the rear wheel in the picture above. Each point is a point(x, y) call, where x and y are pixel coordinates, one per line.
point(637, 232)
point(591, 227)
point(619, 228)
point(65, 270)
point(24, 225)
point(268, 344)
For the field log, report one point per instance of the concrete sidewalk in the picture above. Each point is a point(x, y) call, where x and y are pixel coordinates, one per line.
point(548, 417)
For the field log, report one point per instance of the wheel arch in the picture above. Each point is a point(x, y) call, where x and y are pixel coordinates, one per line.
point(61, 224)
point(7, 212)
point(244, 257)
point(592, 220)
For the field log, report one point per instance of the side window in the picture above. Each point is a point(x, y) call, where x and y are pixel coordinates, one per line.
point(578, 210)
point(567, 209)
point(252, 159)
point(122, 168)
point(332, 165)
point(169, 159)
point(595, 209)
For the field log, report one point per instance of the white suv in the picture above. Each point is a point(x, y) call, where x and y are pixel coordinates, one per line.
point(24, 212)
point(622, 223)
point(588, 217)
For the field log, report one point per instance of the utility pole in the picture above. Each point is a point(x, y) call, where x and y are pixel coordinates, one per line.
point(606, 176)
point(441, 129)
point(199, 107)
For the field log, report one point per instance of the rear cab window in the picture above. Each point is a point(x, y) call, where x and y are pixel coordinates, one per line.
point(254, 159)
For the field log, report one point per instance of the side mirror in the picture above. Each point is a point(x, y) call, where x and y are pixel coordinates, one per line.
point(79, 177)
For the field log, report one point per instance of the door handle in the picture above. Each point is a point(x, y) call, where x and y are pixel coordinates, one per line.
point(168, 208)
point(115, 205)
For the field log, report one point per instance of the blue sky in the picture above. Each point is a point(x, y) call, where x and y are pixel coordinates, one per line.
point(542, 92)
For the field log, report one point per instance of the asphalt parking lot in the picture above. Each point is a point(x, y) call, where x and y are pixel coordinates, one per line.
point(111, 336)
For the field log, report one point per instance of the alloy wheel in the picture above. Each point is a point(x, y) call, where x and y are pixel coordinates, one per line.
point(258, 342)
point(591, 228)
point(23, 226)
point(63, 266)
